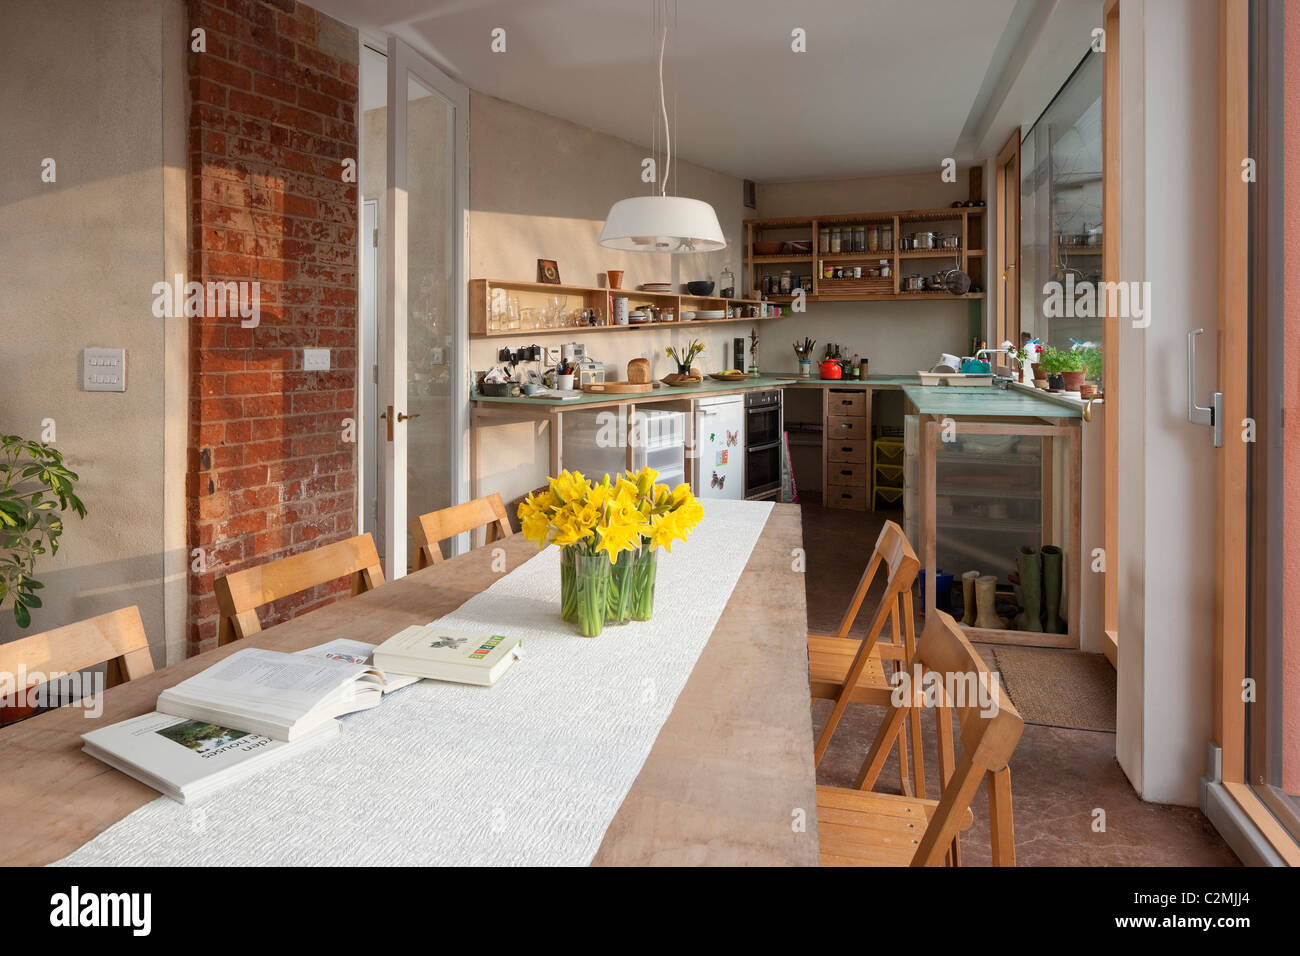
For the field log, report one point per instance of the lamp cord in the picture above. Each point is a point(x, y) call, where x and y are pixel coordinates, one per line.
point(663, 106)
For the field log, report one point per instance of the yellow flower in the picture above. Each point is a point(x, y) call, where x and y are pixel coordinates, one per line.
point(619, 536)
point(570, 486)
point(570, 529)
point(646, 479)
point(535, 527)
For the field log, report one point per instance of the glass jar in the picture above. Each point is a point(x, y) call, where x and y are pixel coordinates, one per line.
point(618, 594)
point(643, 582)
point(787, 279)
point(836, 241)
point(727, 283)
point(887, 238)
point(873, 238)
point(885, 271)
point(590, 593)
point(824, 239)
point(860, 239)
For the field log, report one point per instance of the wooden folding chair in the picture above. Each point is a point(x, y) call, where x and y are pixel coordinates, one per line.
point(846, 670)
point(117, 638)
point(858, 828)
point(436, 526)
point(239, 595)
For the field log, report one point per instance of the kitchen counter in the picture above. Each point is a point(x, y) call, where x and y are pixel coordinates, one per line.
point(665, 393)
point(981, 401)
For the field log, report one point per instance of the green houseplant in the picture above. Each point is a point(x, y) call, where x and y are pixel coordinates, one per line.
point(35, 489)
point(1068, 365)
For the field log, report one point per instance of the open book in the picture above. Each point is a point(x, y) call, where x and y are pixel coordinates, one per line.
point(442, 654)
point(188, 760)
point(358, 652)
point(278, 695)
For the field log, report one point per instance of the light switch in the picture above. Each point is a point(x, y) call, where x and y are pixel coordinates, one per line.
point(316, 360)
point(103, 370)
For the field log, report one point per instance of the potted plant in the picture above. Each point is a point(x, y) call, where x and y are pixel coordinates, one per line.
point(1064, 369)
point(35, 489)
point(685, 356)
point(1092, 369)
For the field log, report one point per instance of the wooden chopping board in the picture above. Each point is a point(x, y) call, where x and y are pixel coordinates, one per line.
point(619, 387)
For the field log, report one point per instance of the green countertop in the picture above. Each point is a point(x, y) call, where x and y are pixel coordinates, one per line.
point(665, 393)
point(929, 400)
point(983, 401)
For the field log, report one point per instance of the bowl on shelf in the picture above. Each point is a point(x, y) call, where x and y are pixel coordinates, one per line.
point(700, 287)
point(768, 247)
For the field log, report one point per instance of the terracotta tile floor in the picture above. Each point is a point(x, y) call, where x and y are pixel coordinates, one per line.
point(1059, 777)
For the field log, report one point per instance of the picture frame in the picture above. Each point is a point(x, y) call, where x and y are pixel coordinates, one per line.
point(548, 271)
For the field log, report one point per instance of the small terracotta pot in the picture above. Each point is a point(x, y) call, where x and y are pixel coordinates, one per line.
point(1073, 380)
point(1087, 391)
point(1039, 374)
point(615, 277)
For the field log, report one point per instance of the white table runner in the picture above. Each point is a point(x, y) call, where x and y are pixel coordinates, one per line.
point(529, 772)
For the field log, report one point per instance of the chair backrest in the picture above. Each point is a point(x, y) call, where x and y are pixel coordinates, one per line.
point(117, 638)
point(240, 594)
point(436, 526)
point(894, 554)
point(990, 729)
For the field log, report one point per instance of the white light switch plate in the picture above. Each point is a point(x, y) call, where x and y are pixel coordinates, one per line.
point(103, 370)
point(316, 360)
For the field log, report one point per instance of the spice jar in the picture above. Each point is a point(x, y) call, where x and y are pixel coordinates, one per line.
point(824, 239)
point(859, 238)
point(836, 241)
point(887, 238)
point(873, 238)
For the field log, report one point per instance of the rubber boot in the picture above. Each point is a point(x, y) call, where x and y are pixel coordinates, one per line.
point(986, 596)
point(968, 597)
point(1052, 623)
point(1030, 619)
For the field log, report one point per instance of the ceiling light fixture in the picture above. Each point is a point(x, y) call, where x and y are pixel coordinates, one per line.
point(662, 223)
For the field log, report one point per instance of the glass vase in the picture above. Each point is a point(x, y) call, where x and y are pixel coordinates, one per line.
point(590, 593)
point(568, 599)
point(618, 606)
point(643, 583)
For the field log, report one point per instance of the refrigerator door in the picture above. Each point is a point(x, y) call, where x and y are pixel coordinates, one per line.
point(720, 440)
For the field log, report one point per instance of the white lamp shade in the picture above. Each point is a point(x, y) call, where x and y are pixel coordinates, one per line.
point(662, 224)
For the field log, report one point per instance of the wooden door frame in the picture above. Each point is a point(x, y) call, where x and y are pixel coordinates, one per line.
point(1110, 350)
point(1230, 640)
point(1006, 320)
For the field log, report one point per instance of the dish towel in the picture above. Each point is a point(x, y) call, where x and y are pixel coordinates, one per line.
point(528, 772)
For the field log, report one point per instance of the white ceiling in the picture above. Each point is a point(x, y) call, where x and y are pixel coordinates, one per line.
point(885, 85)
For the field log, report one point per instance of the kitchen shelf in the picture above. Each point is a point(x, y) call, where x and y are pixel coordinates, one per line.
point(593, 297)
point(965, 221)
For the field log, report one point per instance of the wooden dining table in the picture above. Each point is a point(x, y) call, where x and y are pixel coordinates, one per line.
point(729, 781)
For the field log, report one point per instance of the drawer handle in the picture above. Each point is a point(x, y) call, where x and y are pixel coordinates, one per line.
point(847, 401)
point(845, 448)
point(846, 472)
point(845, 495)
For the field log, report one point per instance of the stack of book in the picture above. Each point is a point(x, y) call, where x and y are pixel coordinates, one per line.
point(257, 707)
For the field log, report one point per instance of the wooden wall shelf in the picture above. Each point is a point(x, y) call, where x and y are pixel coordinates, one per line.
point(966, 221)
point(537, 295)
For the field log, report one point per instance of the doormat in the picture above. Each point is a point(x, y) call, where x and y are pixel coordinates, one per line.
point(1059, 688)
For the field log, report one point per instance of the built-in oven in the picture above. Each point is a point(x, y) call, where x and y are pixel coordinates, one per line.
point(763, 443)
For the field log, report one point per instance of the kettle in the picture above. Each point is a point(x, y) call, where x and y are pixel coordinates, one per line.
point(830, 368)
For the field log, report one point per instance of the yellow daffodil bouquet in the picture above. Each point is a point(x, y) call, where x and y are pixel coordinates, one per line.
point(609, 533)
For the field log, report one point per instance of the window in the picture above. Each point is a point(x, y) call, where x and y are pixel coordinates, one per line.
point(1061, 212)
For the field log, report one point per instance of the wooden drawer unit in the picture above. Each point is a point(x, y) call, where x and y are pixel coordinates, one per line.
point(843, 404)
point(838, 427)
point(847, 473)
point(846, 449)
point(851, 497)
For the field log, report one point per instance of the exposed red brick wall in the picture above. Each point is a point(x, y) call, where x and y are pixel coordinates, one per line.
point(273, 114)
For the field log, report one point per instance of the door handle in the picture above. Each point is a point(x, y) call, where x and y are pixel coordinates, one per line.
point(1211, 414)
point(401, 417)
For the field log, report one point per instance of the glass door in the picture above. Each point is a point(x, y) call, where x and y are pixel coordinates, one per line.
point(423, 336)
